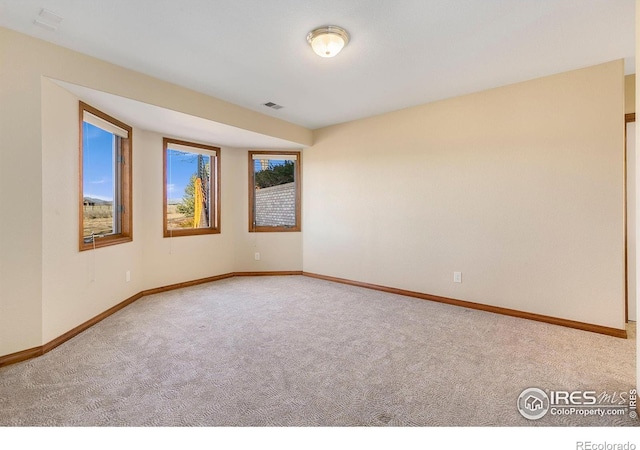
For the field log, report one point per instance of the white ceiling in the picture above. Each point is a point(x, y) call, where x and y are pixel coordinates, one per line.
point(402, 52)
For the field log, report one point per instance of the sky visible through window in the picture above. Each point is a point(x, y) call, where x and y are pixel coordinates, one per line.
point(262, 164)
point(98, 176)
point(180, 166)
point(98, 158)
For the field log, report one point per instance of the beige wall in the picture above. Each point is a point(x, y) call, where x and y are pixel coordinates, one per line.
point(173, 260)
point(76, 286)
point(48, 287)
point(519, 188)
point(278, 251)
point(21, 194)
point(80, 285)
point(630, 94)
point(36, 57)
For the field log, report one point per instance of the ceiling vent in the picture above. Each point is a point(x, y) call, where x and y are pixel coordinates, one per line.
point(272, 105)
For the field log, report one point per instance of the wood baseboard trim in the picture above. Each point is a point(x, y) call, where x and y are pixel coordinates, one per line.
point(88, 324)
point(23, 355)
point(479, 306)
point(34, 352)
point(267, 274)
point(185, 284)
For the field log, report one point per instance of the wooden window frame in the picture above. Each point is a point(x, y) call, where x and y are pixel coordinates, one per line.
point(253, 228)
point(125, 189)
point(214, 180)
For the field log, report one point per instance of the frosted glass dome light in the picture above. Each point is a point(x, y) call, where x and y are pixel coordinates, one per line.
point(328, 41)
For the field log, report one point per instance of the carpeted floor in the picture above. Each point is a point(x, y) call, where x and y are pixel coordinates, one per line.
point(297, 351)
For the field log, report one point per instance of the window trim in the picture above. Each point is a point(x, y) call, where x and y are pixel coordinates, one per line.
point(214, 180)
point(298, 180)
point(126, 184)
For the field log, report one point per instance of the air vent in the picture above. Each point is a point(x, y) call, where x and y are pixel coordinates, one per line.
point(272, 105)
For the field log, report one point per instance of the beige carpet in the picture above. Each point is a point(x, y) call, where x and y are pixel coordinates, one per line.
point(297, 351)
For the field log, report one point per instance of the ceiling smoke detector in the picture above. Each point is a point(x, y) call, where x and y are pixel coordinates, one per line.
point(48, 20)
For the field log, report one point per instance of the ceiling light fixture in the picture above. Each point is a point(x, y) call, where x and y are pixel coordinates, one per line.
point(328, 41)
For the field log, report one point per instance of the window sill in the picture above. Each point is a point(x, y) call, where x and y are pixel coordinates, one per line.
point(183, 232)
point(274, 229)
point(105, 242)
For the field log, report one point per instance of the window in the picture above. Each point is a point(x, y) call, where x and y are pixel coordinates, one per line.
point(105, 180)
point(274, 191)
point(191, 188)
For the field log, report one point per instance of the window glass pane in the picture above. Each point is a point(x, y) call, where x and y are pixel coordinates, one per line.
point(105, 180)
point(99, 180)
point(275, 192)
point(188, 190)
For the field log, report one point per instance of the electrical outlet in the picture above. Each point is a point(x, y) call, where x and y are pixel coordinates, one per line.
point(257, 256)
point(457, 277)
point(127, 276)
